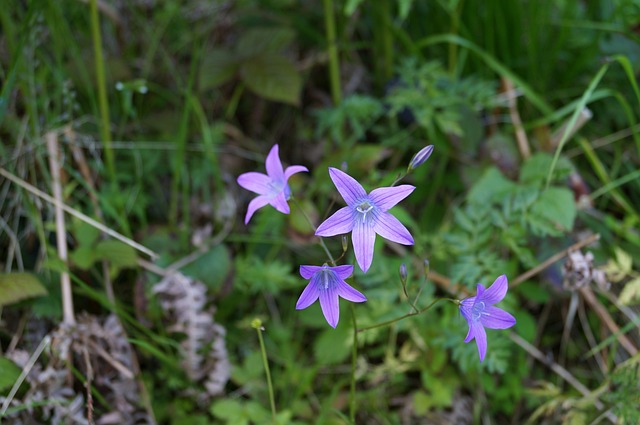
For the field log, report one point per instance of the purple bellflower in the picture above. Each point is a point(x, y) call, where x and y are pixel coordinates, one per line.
point(327, 283)
point(365, 215)
point(272, 187)
point(480, 313)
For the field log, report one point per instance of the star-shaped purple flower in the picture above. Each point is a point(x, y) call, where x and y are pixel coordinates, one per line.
point(272, 187)
point(365, 215)
point(480, 313)
point(327, 283)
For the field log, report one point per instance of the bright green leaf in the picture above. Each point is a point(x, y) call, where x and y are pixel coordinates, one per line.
point(16, 287)
point(557, 206)
point(211, 268)
point(84, 256)
point(9, 373)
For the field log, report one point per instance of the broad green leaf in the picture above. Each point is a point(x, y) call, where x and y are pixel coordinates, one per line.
point(85, 234)
point(273, 77)
point(211, 268)
point(16, 287)
point(258, 41)
point(492, 187)
point(334, 345)
point(9, 373)
point(84, 256)
point(536, 168)
point(404, 6)
point(218, 67)
point(557, 206)
point(120, 255)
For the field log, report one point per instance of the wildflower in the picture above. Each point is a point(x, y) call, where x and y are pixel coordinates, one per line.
point(419, 158)
point(272, 187)
point(480, 313)
point(327, 283)
point(365, 215)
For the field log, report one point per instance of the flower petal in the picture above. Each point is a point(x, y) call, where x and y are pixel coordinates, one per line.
point(390, 228)
point(255, 204)
point(466, 307)
point(343, 272)
point(280, 203)
point(479, 292)
point(496, 292)
point(293, 170)
point(339, 223)
point(471, 334)
point(349, 293)
point(387, 197)
point(496, 318)
point(308, 296)
point(308, 271)
point(481, 340)
point(273, 165)
point(348, 187)
point(255, 182)
point(330, 306)
point(364, 239)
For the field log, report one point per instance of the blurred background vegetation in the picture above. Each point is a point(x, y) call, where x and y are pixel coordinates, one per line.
point(140, 114)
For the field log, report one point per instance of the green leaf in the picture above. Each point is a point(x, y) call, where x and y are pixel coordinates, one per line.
point(218, 67)
point(86, 235)
point(631, 292)
point(9, 373)
point(83, 257)
point(334, 345)
point(211, 268)
point(230, 410)
point(264, 40)
point(536, 168)
point(273, 77)
point(16, 287)
point(120, 255)
point(492, 187)
point(557, 207)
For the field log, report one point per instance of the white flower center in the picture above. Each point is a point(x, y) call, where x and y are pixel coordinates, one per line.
point(477, 311)
point(363, 208)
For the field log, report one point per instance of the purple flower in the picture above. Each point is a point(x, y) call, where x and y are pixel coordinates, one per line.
point(480, 313)
point(327, 283)
point(365, 215)
point(419, 158)
point(272, 187)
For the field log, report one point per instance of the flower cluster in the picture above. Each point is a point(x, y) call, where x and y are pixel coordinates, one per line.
point(365, 216)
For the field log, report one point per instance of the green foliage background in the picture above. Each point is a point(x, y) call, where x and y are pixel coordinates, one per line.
point(197, 92)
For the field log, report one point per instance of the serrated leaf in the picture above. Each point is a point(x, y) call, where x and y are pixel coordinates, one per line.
point(535, 169)
point(273, 77)
point(218, 67)
point(557, 207)
point(623, 260)
point(16, 287)
point(9, 373)
point(492, 187)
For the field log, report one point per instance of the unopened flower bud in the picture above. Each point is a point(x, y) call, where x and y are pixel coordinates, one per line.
point(419, 158)
point(344, 243)
point(344, 166)
point(257, 324)
point(426, 267)
point(403, 273)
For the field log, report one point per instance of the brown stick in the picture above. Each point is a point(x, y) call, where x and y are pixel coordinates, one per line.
point(521, 136)
point(61, 232)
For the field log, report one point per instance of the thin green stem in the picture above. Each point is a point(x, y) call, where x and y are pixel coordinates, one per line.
point(332, 49)
point(105, 130)
point(321, 241)
point(257, 324)
point(413, 313)
point(354, 358)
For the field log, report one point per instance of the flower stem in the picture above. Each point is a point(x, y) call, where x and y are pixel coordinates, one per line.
point(354, 357)
point(257, 324)
point(332, 48)
point(413, 313)
point(321, 241)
